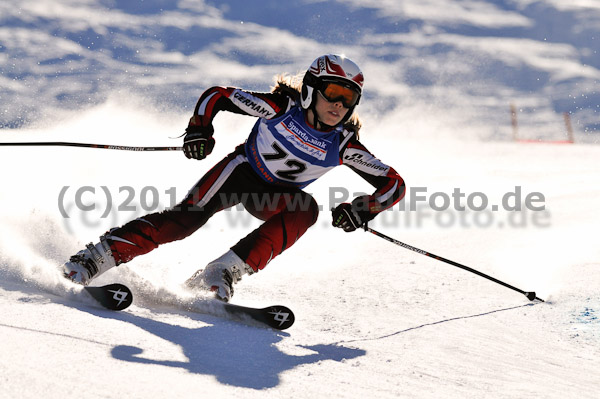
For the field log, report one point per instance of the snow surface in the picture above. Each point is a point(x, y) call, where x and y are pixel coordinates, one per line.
point(373, 320)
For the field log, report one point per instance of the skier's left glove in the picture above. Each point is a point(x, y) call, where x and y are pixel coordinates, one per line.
point(198, 142)
point(350, 217)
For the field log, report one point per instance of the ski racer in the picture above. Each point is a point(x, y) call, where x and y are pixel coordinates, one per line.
point(302, 131)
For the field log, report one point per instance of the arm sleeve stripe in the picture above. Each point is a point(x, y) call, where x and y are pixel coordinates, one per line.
point(385, 197)
point(203, 105)
point(347, 137)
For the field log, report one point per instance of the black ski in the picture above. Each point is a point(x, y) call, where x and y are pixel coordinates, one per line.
point(277, 316)
point(118, 297)
point(112, 296)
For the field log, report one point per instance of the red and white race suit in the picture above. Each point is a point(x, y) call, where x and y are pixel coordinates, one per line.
point(266, 174)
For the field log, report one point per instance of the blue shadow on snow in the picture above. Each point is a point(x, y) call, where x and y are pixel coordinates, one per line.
point(234, 353)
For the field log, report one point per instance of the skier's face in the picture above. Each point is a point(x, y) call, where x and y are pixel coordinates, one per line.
point(330, 113)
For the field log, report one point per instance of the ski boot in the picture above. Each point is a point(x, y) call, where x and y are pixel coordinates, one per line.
point(89, 263)
point(220, 275)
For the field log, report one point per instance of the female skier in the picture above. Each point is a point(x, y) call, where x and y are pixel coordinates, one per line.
point(301, 133)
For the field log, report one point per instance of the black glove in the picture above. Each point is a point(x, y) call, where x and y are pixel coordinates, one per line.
point(198, 141)
point(351, 216)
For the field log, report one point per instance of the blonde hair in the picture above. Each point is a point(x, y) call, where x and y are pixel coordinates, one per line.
point(291, 85)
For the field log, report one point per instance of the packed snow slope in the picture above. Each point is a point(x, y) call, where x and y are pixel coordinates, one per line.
point(372, 319)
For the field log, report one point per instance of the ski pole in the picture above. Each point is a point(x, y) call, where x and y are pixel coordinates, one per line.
point(530, 295)
point(85, 145)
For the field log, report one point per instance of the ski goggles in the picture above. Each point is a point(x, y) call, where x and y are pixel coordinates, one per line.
point(334, 92)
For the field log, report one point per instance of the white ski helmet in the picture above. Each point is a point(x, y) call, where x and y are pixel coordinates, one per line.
point(331, 68)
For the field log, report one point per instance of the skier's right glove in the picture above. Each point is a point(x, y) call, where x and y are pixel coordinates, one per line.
point(198, 141)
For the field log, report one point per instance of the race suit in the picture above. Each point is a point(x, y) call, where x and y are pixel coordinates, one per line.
point(266, 174)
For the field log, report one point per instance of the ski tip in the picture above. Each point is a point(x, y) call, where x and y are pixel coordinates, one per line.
point(277, 317)
point(112, 296)
point(280, 317)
